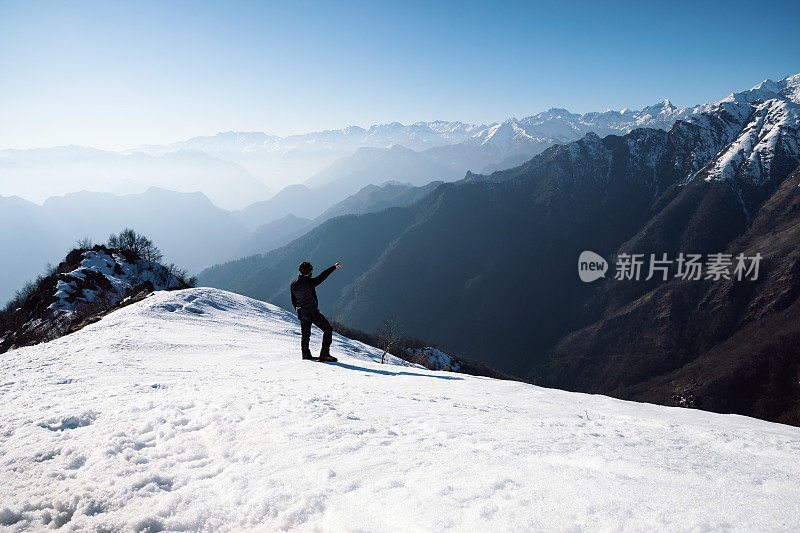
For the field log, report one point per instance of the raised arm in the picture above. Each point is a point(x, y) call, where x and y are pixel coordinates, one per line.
point(325, 273)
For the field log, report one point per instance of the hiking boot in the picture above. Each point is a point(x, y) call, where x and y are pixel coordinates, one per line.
point(327, 358)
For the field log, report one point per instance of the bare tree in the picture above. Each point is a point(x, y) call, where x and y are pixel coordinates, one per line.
point(129, 242)
point(84, 244)
point(387, 337)
point(136, 245)
point(149, 251)
point(182, 275)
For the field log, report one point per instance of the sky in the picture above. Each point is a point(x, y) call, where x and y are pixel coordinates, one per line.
point(115, 75)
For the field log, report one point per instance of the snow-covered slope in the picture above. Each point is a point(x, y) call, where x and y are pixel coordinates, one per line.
point(773, 128)
point(192, 410)
point(437, 359)
point(106, 273)
point(88, 282)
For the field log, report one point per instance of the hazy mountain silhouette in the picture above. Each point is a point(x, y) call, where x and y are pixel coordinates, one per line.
point(28, 243)
point(281, 161)
point(276, 233)
point(41, 173)
point(296, 200)
point(273, 234)
point(189, 229)
point(377, 198)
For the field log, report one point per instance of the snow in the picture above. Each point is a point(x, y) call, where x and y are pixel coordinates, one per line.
point(555, 124)
point(438, 359)
point(127, 276)
point(750, 155)
point(560, 126)
point(788, 88)
point(766, 119)
point(192, 410)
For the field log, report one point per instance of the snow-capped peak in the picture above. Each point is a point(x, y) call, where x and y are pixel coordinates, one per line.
point(664, 104)
point(788, 88)
point(772, 128)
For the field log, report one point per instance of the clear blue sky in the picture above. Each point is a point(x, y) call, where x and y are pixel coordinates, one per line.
point(119, 74)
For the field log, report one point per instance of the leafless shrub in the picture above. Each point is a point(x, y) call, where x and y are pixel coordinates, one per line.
point(84, 244)
point(387, 337)
point(135, 246)
point(684, 396)
point(181, 274)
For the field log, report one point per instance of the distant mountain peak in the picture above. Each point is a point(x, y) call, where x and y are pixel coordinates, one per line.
point(558, 111)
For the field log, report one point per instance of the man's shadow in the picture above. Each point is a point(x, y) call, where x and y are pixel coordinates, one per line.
point(390, 373)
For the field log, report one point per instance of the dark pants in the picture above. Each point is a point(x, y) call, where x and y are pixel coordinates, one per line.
point(313, 316)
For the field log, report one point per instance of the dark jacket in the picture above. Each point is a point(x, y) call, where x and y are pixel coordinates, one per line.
point(303, 289)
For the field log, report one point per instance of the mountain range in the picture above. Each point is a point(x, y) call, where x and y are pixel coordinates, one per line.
point(236, 169)
point(38, 174)
point(486, 266)
point(276, 233)
point(350, 159)
point(188, 227)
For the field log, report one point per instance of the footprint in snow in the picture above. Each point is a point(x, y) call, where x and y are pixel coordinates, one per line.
point(70, 422)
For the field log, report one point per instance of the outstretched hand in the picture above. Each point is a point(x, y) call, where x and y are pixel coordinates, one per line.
point(338, 264)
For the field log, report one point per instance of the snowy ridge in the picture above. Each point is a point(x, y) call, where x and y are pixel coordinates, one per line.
point(774, 125)
point(121, 275)
point(417, 136)
point(554, 125)
point(768, 116)
point(504, 135)
point(788, 88)
point(255, 163)
point(438, 359)
point(191, 410)
point(560, 126)
point(255, 160)
point(88, 283)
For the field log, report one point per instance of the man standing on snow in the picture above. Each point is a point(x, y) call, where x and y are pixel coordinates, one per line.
point(304, 300)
